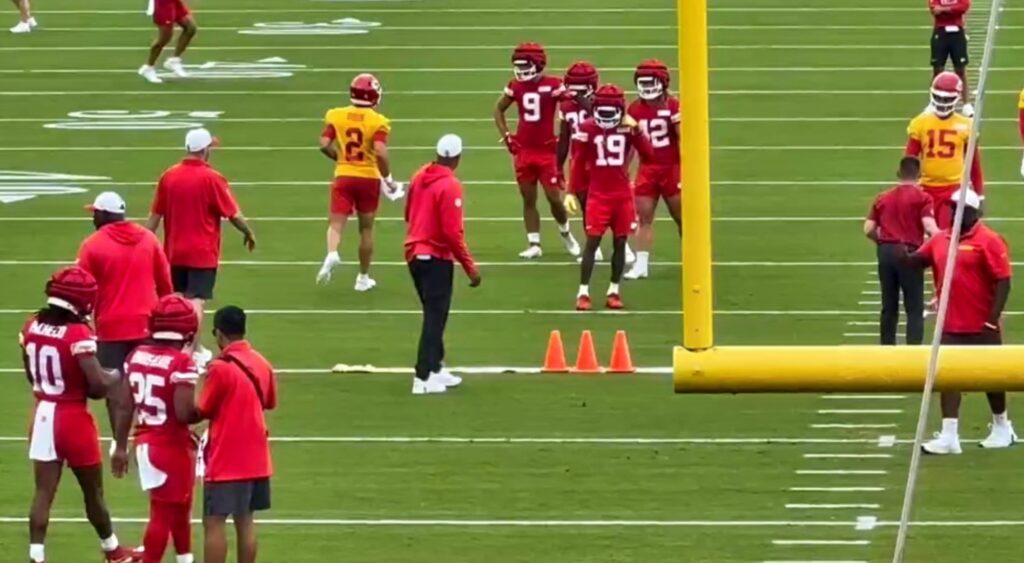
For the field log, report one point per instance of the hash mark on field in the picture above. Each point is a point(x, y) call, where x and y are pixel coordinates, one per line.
point(864, 397)
point(836, 489)
point(841, 472)
point(886, 441)
point(821, 542)
point(852, 426)
point(847, 456)
point(831, 506)
point(866, 523)
point(860, 411)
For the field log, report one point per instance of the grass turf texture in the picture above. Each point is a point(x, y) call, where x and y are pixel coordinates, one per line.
point(780, 281)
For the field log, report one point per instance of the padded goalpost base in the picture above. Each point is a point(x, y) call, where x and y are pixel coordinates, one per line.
point(825, 369)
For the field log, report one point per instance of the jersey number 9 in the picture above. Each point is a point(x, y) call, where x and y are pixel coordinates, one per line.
point(531, 107)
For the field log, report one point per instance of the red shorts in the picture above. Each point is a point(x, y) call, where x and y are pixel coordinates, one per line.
point(178, 463)
point(72, 432)
point(579, 179)
point(348, 195)
point(657, 180)
point(169, 12)
point(533, 167)
point(941, 196)
point(615, 213)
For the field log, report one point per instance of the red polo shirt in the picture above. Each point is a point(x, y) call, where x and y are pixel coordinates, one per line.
point(239, 443)
point(193, 199)
point(982, 259)
point(898, 213)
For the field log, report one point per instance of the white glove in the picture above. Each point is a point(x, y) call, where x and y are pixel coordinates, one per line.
point(393, 190)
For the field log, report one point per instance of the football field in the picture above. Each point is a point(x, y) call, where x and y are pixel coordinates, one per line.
point(810, 102)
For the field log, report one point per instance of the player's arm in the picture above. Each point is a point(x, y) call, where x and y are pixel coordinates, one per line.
point(157, 208)
point(329, 143)
point(977, 176)
point(564, 141)
point(913, 147)
point(871, 229)
point(453, 228)
point(505, 102)
point(931, 228)
point(162, 271)
point(184, 382)
point(380, 148)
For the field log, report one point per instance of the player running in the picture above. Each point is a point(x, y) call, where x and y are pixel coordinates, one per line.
point(166, 14)
point(163, 379)
point(608, 139)
point(26, 23)
point(356, 138)
point(533, 146)
point(59, 354)
point(939, 138)
point(657, 113)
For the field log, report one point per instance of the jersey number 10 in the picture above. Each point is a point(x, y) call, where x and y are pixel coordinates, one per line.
point(44, 365)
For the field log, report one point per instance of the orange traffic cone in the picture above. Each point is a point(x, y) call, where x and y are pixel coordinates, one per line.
point(622, 361)
point(586, 359)
point(554, 359)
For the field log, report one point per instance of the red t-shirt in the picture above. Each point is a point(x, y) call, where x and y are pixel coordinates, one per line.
point(155, 372)
point(193, 198)
point(537, 102)
point(982, 259)
point(898, 213)
point(239, 444)
point(606, 153)
point(52, 354)
point(660, 122)
point(955, 15)
point(132, 272)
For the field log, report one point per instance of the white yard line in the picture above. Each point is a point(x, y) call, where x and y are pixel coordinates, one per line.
point(821, 542)
point(504, 312)
point(505, 440)
point(745, 120)
point(668, 47)
point(841, 472)
point(518, 263)
point(795, 506)
point(847, 456)
point(420, 93)
point(863, 397)
point(860, 411)
point(837, 489)
point(567, 28)
point(304, 148)
point(852, 426)
point(339, 8)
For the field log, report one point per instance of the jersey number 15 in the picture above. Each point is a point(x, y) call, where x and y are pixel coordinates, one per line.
point(941, 143)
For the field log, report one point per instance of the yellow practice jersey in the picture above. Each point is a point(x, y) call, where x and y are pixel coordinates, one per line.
point(943, 145)
point(356, 128)
point(1020, 101)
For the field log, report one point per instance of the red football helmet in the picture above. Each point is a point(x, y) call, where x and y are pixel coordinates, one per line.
point(365, 91)
point(947, 90)
point(652, 79)
point(582, 79)
point(609, 106)
point(174, 318)
point(528, 61)
point(73, 289)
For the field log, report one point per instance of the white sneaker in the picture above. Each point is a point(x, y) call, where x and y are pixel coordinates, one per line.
point(532, 252)
point(571, 246)
point(149, 73)
point(448, 378)
point(967, 110)
point(22, 27)
point(943, 444)
point(365, 283)
point(630, 255)
point(635, 273)
point(175, 65)
point(432, 386)
point(331, 262)
point(1001, 436)
point(33, 23)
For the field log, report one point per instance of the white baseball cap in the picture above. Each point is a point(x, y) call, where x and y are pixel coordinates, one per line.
point(109, 202)
point(972, 200)
point(200, 139)
point(449, 146)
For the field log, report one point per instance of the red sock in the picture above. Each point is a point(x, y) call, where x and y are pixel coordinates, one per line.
point(157, 532)
point(181, 528)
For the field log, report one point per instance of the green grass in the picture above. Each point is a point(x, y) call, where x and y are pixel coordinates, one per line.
point(781, 281)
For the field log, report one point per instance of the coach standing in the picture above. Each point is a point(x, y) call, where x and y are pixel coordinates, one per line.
point(949, 41)
point(192, 199)
point(435, 239)
point(239, 386)
point(977, 296)
point(898, 222)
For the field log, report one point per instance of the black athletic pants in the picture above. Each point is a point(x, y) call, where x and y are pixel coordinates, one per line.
point(433, 279)
point(894, 277)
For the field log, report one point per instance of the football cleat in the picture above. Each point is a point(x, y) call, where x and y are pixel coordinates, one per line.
point(652, 79)
point(175, 65)
point(571, 246)
point(365, 91)
point(22, 27)
point(365, 283)
point(448, 378)
point(943, 444)
point(614, 302)
point(149, 73)
point(582, 79)
point(583, 303)
point(528, 61)
point(947, 91)
point(122, 555)
point(432, 386)
point(635, 273)
point(532, 252)
point(609, 106)
point(331, 262)
point(1000, 436)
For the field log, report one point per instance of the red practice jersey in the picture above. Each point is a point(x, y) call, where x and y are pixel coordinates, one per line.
point(52, 354)
point(660, 122)
point(154, 373)
point(607, 153)
point(537, 102)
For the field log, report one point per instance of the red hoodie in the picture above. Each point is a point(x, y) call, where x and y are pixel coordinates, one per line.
point(131, 268)
point(433, 212)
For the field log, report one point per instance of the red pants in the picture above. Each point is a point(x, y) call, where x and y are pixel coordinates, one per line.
point(67, 434)
point(534, 167)
point(617, 213)
point(360, 195)
point(941, 197)
point(657, 180)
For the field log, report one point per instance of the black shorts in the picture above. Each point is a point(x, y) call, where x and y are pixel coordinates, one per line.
point(990, 338)
point(194, 283)
point(949, 45)
point(113, 354)
point(236, 498)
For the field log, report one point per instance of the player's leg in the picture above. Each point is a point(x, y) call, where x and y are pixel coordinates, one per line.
point(531, 218)
point(961, 58)
point(25, 20)
point(47, 478)
point(164, 34)
point(188, 33)
point(245, 532)
point(912, 284)
point(614, 297)
point(433, 284)
point(589, 257)
point(215, 541)
point(181, 531)
point(582, 197)
point(947, 441)
point(363, 281)
point(646, 207)
point(549, 179)
point(342, 205)
point(1002, 434)
point(90, 480)
point(158, 530)
point(888, 283)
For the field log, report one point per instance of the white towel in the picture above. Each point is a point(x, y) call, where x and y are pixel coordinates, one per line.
point(150, 477)
point(201, 454)
point(151, 8)
point(43, 447)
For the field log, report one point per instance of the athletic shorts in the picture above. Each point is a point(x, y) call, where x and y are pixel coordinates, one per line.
point(579, 180)
point(354, 195)
point(615, 213)
point(235, 498)
point(537, 167)
point(949, 45)
point(65, 433)
point(169, 12)
point(113, 354)
point(972, 339)
point(194, 283)
point(166, 472)
point(657, 180)
point(941, 196)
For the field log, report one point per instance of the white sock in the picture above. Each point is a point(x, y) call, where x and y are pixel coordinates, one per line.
point(584, 291)
point(332, 257)
point(642, 259)
point(1000, 419)
point(363, 277)
point(36, 552)
point(563, 228)
point(951, 426)
point(533, 238)
point(186, 558)
point(613, 289)
point(109, 544)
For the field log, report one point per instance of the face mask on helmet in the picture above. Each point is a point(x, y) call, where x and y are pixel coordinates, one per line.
point(524, 70)
point(608, 117)
point(649, 88)
point(944, 103)
point(581, 90)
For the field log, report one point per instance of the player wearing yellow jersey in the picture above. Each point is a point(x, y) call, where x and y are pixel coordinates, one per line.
point(939, 137)
point(355, 137)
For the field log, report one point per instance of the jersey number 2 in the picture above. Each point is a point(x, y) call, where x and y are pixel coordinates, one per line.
point(152, 411)
point(44, 364)
point(944, 140)
point(354, 145)
point(611, 150)
point(657, 131)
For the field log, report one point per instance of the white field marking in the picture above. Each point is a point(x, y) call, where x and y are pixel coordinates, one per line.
point(745, 148)
point(836, 489)
point(814, 561)
point(528, 440)
point(851, 426)
point(841, 472)
point(863, 334)
point(870, 323)
point(886, 441)
point(871, 292)
point(746, 120)
point(517, 10)
point(520, 263)
point(473, 29)
point(17, 93)
point(584, 48)
point(847, 456)
point(860, 411)
point(821, 542)
point(510, 312)
point(863, 397)
point(866, 523)
point(869, 302)
point(796, 506)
